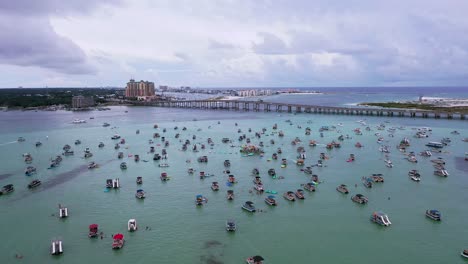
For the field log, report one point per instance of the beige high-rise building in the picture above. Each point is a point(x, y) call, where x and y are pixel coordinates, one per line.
point(141, 88)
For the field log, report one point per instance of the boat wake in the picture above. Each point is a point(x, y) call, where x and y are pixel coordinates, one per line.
point(8, 143)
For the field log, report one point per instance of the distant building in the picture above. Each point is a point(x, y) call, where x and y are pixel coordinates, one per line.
point(82, 102)
point(139, 89)
point(253, 92)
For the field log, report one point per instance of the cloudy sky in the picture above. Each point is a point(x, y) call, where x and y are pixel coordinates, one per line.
point(233, 43)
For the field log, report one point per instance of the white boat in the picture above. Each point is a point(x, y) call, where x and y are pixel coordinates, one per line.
point(132, 225)
point(79, 121)
point(63, 212)
point(56, 247)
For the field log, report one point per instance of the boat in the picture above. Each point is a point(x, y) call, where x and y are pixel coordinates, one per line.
point(34, 184)
point(139, 180)
point(414, 175)
point(164, 176)
point(289, 195)
point(136, 158)
point(257, 180)
point(123, 165)
point(122, 141)
point(434, 214)
point(7, 189)
point(359, 198)
point(342, 189)
point(255, 260)
point(30, 170)
point(426, 153)
point(227, 163)
point(380, 218)
point(377, 177)
point(434, 144)
point(163, 165)
point(92, 165)
point(93, 230)
point(140, 194)
point(77, 142)
point(116, 136)
point(299, 194)
point(272, 172)
point(120, 155)
point(38, 144)
point(441, 172)
point(113, 183)
point(118, 241)
point(56, 248)
point(68, 153)
point(79, 121)
point(249, 206)
point(270, 200)
point(231, 179)
point(21, 139)
point(259, 187)
point(255, 171)
point(63, 212)
point(200, 200)
point(156, 156)
point(465, 253)
point(309, 187)
point(230, 195)
point(215, 186)
point(388, 163)
point(231, 225)
point(367, 182)
point(132, 225)
point(439, 161)
point(101, 145)
point(105, 124)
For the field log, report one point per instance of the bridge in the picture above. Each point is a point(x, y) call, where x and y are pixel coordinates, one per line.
point(241, 105)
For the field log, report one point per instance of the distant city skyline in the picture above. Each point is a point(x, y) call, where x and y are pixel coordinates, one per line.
point(233, 44)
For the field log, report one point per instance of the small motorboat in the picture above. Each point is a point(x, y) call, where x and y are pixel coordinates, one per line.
point(105, 124)
point(200, 200)
point(270, 200)
point(367, 182)
point(465, 253)
point(231, 225)
point(441, 173)
point(116, 136)
point(380, 218)
point(257, 180)
point(255, 171)
point(101, 145)
point(309, 187)
point(289, 195)
point(118, 241)
point(136, 158)
point(434, 214)
point(56, 248)
point(255, 260)
point(93, 230)
point(215, 186)
point(123, 166)
point(299, 194)
point(232, 179)
point(132, 225)
point(156, 156)
point(30, 170)
point(230, 195)
point(139, 180)
point(120, 155)
point(249, 206)
point(227, 163)
point(377, 177)
point(7, 189)
point(77, 142)
point(359, 198)
point(34, 184)
point(272, 172)
point(92, 165)
point(140, 194)
point(342, 189)
point(164, 176)
point(21, 139)
point(259, 187)
point(163, 165)
point(38, 144)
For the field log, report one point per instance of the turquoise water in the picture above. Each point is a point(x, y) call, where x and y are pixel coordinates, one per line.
point(326, 227)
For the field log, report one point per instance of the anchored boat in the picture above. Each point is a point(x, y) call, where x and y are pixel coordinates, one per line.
point(93, 230)
point(118, 242)
point(132, 225)
point(434, 214)
point(56, 248)
point(231, 225)
point(380, 218)
point(249, 206)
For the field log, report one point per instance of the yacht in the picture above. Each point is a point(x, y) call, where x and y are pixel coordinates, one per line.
point(434, 215)
point(249, 206)
point(231, 225)
point(132, 225)
point(380, 218)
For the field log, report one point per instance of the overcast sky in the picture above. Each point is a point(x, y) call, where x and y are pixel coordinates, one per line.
point(234, 43)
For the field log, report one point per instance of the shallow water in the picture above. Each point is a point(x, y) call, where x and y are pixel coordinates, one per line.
point(315, 229)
